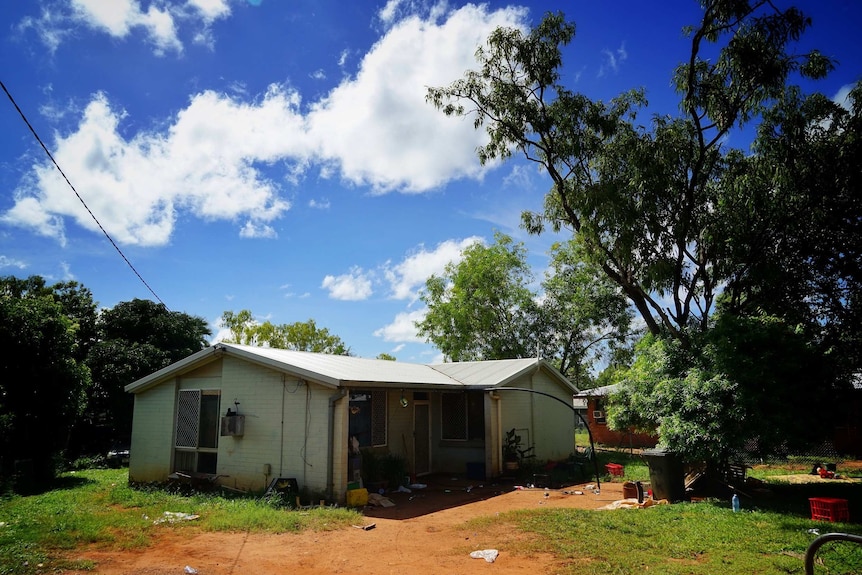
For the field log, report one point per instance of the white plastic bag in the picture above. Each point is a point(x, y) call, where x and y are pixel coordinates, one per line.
point(489, 555)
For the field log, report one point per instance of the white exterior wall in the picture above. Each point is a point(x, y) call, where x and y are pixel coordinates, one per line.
point(543, 422)
point(554, 434)
point(266, 397)
point(153, 422)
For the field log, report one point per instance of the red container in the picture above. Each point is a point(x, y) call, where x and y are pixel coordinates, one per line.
point(829, 509)
point(615, 469)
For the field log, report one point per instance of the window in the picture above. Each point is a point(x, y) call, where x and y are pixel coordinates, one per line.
point(197, 431)
point(463, 416)
point(598, 413)
point(367, 419)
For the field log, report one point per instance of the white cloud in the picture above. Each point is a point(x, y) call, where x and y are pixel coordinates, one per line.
point(387, 13)
point(211, 10)
point(407, 277)
point(323, 204)
point(613, 59)
point(7, 262)
point(842, 97)
point(257, 230)
point(136, 187)
point(28, 213)
point(50, 26)
point(161, 21)
point(403, 328)
point(354, 286)
point(390, 138)
point(342, 58)
point(119, 17)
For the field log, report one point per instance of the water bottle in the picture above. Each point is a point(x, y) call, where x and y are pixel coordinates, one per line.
point(734, 501)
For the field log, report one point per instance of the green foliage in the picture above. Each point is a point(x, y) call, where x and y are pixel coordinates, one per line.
point(298, 336)
point(511, 445)
point(483, 307)
point(707, 400)
point(43, 383)
point(684, 224)
point(650, 201)
point(135, 339)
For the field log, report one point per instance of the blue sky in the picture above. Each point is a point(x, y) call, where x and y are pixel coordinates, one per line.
point(279, 156)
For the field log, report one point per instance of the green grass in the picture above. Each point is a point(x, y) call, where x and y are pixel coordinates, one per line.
point(686, 538)
point(99, 507)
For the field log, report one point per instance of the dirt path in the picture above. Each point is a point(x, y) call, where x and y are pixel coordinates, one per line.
point(419, 544)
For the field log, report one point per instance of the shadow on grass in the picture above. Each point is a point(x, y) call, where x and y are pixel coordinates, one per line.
point(32, 487)
point(793, 499)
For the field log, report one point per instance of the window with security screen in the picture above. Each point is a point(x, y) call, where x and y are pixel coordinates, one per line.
point(196, 439)
point(367, 419)
point(463, 416)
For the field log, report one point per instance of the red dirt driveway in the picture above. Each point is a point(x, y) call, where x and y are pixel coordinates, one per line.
point(425, 533)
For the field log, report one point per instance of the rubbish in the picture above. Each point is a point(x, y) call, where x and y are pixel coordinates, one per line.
point(590, 487)
point(519, 488)
point(489, 555)
point(633, 504)
point(469, 488)
point(417, 486)
point(174, 517)
point(814, 531)
point(734, 501)
point(368, 527)
point(190, 570)
point(402, 489)
point(380, 501)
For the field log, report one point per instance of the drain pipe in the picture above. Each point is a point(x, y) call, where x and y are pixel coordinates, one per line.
point(330, 485)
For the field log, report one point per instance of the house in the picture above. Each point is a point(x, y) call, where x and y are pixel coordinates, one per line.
point(244, 416)
point(591, 403)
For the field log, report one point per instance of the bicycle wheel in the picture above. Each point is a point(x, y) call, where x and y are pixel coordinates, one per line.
point(834, 554)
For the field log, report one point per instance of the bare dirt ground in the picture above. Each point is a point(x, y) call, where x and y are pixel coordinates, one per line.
point(425, 533)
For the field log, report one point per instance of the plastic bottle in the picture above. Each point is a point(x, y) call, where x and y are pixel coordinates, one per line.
point(734, 501)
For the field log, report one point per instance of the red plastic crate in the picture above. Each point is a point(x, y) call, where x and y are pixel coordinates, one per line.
point(829, 509)
point(615, 469)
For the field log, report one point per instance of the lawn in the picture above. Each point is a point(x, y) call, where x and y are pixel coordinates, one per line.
point(99, 507)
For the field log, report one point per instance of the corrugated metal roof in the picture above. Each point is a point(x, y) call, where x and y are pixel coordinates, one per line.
point(340, 370)
point(599, 391)
point(487, 373)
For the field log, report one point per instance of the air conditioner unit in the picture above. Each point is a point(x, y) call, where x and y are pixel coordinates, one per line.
point(598, 414)
point(233, 425)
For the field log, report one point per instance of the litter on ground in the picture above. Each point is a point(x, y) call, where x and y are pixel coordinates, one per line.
point(633, 504)
point(174, 517)
point(489, 555)
point(380, 501)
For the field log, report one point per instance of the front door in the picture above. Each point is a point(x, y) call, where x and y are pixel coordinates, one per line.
point(422, 437)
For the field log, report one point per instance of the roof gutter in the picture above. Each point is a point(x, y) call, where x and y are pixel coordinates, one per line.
point(330, 455)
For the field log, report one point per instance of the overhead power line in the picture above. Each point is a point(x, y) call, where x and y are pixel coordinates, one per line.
point(95, 219)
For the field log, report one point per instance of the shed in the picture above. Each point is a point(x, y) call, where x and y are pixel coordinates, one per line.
point(245, 415)
point(593, 403)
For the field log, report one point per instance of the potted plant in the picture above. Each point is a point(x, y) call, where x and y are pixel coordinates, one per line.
point(511, 454)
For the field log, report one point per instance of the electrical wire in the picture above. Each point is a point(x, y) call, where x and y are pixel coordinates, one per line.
point(98, 223)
